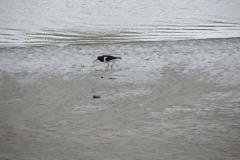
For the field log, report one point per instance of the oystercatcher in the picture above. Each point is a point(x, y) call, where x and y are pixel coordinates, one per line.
point(107, 59)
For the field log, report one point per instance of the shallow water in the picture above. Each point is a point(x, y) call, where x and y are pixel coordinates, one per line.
point(35, 22)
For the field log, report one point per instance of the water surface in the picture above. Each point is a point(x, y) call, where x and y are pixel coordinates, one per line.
point(35, 22)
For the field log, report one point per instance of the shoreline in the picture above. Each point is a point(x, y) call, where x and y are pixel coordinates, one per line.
point(116, 42)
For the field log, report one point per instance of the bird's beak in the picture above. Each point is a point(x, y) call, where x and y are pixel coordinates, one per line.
point(95, 60)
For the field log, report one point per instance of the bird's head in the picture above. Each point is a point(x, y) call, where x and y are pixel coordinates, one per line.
point(97, 58)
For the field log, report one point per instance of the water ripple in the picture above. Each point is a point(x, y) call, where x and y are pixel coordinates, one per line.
point(80, 22)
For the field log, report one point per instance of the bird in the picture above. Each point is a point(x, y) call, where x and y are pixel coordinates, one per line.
point(107, 59)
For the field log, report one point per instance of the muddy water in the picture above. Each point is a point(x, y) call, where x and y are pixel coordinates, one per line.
point(35, 22)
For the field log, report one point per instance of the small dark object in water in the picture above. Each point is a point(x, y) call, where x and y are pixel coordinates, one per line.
point(95, 96)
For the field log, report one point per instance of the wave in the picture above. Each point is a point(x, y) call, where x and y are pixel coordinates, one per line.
point(140, 33)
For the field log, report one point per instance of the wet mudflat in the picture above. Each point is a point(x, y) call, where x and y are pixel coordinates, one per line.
point(163, 100)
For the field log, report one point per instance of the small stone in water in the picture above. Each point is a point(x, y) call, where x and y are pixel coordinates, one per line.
point(95, 96)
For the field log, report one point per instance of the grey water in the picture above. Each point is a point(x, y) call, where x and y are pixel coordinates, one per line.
point(34, 22)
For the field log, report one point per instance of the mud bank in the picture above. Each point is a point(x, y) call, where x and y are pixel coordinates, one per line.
point(163, 100)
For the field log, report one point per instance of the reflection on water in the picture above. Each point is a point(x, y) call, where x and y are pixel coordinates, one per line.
point(79, 21)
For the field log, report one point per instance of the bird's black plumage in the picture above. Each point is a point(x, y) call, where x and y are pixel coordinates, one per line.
point(107, 59)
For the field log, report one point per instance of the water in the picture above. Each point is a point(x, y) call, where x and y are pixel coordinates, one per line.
point(32, 22)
